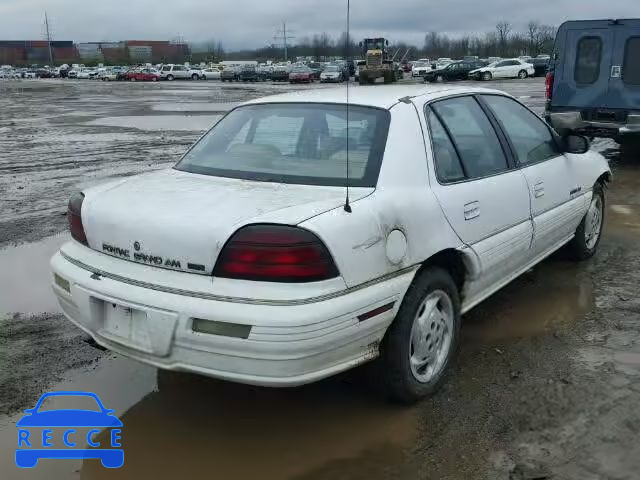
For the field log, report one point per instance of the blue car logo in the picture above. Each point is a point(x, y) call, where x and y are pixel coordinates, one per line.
point(38, 429)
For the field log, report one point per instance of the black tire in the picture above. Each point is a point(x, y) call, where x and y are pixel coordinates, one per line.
point(522, 74)
point(579, 248)
point(486, 76)
point(439, 79)
point(393, 368)
point(195, 77)
point(170, 78)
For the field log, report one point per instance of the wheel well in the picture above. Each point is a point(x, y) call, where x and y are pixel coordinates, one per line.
point(452, 261)
point(604, 179)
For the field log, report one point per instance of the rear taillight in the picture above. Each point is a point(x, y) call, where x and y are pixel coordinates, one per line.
point(275, 253)
point(74, 218)
point(548, 84)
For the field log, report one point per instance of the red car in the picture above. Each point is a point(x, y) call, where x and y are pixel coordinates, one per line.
point(301, 74)
point(144, 75)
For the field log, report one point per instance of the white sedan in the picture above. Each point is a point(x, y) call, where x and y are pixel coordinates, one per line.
point(510, 68)
point(250, 261)
point(211, 74)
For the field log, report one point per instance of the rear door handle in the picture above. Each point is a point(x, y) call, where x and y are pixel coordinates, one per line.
point(472, 210)
point(538, 190)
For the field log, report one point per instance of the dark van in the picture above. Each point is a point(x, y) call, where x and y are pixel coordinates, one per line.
point(593, 84)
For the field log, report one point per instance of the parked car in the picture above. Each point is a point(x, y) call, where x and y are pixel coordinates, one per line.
point(593, 85)
point(44, 73)
point(356, 74)
point(540, 65)
point(143, 75)
point(72, 73)
point(280, 73)
point(510, 68)
point(344, 68)
point(196, 72)
point(108, 75)
point(316, 69)
point(331, 73)
point(453, 71)
point(249, 73)
point(301, 73)
point(172, 72)
point(229, 74)
point(87, 73)
point(211, 74)
point(442, 62)
point(419, 69)
point(285, 299)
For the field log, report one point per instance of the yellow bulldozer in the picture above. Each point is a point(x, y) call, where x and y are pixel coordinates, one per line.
point(377, 62)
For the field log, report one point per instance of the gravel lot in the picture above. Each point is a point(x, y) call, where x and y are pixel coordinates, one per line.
point(547, 383)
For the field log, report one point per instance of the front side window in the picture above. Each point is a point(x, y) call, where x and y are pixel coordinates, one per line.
point(306, 144)
point(631, 67)
point(501, 64)
point(588, 57)
point(529, 136)
point(473, 135)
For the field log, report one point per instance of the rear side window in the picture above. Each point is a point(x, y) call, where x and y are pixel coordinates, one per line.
point(588, 57)
point(448, 167)
point(473, 136)
point(631, 67)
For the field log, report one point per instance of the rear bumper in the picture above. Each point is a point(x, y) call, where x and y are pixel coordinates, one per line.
point(287, 345)
point(573, 121)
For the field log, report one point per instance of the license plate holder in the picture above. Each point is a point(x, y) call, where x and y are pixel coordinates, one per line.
point(127, 325)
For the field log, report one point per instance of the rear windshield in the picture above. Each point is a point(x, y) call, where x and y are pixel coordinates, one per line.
point(588, 59)
point(631, 68)
point(307, 143)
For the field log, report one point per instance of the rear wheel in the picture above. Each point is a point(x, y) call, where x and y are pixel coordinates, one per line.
point(439, 79)
point(154, 79)
point(422, 341)
point(132, 79)
point(522, 74)
point(587, 237)
point(194, 76)
point(486, 76)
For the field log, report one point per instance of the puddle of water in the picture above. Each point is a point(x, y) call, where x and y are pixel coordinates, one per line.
point(194, 107)
point(551, 296)
point(160, 122)
point(224, 430)
point(241, 432)
point(119, 383)
point(624, 219)
point(24, 276)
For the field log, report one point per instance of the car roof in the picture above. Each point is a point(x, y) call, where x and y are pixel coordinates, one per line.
point(380, 96)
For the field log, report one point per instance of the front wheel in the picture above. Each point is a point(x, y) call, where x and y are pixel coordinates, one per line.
point(522, 74)
point(154, 79)
point(194, 76)
point(486, 76)
point(170, 78)
point(587, 237)
point(132, 79)
point(440, 79)
point(422, 341)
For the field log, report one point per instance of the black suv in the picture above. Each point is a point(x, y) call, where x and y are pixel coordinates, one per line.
point(453, 71)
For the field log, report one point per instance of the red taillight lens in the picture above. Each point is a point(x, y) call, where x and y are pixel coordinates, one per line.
point(275, 253)
point(548, 84)
point(75, 219)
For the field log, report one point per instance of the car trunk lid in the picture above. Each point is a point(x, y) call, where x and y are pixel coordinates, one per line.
point(181, 221)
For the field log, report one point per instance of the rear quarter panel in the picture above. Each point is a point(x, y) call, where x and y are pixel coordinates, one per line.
point(402, 201)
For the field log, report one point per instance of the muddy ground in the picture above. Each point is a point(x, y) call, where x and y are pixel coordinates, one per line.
point(547, 383)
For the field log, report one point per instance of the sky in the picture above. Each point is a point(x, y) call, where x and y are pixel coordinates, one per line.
point(253, 23)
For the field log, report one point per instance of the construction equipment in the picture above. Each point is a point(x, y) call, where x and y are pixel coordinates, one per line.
point(377, 62)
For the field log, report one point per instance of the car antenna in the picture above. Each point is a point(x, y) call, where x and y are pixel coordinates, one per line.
point(347, 205)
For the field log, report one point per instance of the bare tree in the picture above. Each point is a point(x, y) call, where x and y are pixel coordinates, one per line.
point(504, 30)
point(533, 28)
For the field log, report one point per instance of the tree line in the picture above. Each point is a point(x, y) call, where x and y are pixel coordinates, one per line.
point(504, 42)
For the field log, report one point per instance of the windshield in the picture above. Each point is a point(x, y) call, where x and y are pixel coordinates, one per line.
point(301, 70)
point(331, 68)
point(294, 143)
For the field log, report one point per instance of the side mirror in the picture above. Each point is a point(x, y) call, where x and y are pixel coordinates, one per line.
point(576, 144)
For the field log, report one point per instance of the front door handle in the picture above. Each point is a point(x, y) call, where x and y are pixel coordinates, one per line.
point(471, 210)
point(538, 190)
